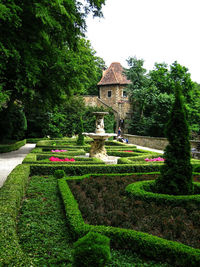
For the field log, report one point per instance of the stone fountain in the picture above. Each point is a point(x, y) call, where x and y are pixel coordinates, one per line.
point(97, 149)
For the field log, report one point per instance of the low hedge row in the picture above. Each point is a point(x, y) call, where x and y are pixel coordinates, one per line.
point(143, 191)
point(43, 159)
point(61, 142)
point(71, 170)
point(145, 244)
point(72, 152)
point(129, 152)
point(11, 195)
point(129, 160)
point(12, 147)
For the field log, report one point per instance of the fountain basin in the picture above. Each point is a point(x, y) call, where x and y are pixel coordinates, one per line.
point(97, 149)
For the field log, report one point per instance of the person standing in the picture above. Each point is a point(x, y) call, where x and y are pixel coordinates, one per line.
point(119, 131)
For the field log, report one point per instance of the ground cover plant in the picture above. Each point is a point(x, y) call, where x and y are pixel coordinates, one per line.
point(103, 201)
point(43, 232)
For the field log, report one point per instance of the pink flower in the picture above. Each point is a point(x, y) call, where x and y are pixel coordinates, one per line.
point(155, 159)
point(58, 159)
point(127, 151)
point(57, 150)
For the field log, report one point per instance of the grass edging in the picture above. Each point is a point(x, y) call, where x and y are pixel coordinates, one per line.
point(11, 195)
point(12, 147)
point(147, 245)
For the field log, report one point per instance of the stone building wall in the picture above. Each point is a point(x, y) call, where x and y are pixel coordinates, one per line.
point(117, 101)
point(91, 100)
point(154, 142)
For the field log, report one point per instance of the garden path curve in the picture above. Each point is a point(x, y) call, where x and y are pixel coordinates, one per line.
point(9, 160)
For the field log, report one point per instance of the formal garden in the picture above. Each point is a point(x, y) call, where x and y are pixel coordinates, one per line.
point(61, 207)
point(66, 204)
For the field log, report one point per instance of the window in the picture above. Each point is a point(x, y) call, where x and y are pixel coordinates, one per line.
point(124, 93)
point(109, 93)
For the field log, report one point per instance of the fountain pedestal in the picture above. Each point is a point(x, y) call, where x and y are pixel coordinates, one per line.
point(97, 149)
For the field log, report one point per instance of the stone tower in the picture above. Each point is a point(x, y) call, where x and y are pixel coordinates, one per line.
point(113, 92)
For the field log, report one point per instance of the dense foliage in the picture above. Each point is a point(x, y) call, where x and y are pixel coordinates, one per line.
point(92, 250)
point(152, 96)
point(176, 173)
point(64, 119)
point(13, 123)
point(43, 53)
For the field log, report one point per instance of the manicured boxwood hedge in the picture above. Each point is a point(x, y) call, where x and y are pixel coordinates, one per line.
point(143, 191)
point(47, 150)
point(11, 195)
point(61, 142)
point(12, 147)
point(43, 159)
point(71, 170)
point(145, 244)
point(138, 157)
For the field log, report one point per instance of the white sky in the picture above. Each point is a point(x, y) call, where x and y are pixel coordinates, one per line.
point(153, 30)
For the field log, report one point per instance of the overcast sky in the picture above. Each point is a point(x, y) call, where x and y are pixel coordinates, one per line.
point(153, 30)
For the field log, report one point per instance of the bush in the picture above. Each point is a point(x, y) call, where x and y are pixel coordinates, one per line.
point(12, 194)
point(13, 123)
point(80, 140)
point(176, 173)
point(92, 250)
point(59, 174)
point(12, 147)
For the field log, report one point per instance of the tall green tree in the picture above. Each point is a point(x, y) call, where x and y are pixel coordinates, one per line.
point(41, 49)
point(176, 173)
point(153, 95)
point(34, 38)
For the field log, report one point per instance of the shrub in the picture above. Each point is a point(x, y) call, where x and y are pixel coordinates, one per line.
point(59, 174)
point(92, 250)
point(13, 123)
point(176, 173)
point(12, 147)
point(80, 140)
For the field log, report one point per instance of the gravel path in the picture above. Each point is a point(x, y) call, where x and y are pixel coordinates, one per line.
point(8, 161)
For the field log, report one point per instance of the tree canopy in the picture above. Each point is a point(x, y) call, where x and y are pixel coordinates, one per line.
point(152, 96)
point(44, 57)
point(36, 42)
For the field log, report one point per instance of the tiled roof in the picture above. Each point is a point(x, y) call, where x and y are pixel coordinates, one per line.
point(114, 75)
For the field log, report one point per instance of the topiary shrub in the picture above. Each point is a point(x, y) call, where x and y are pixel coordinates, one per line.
point(176, 173)
point(59, 174)
point(92, 250)
point(80, 140)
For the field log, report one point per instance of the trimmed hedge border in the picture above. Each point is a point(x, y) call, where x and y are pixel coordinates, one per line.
point(39, 159)
point(47, 149)
point(147, 245)
point(138, 157)
point(12, 147)
point(142, 190)
point(71, 170)
point(11, 195)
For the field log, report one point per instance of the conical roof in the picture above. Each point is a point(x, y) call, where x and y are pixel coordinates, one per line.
point(114, 75)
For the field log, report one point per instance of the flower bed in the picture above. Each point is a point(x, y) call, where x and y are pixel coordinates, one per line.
point(155, 159)
point(62, 160)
